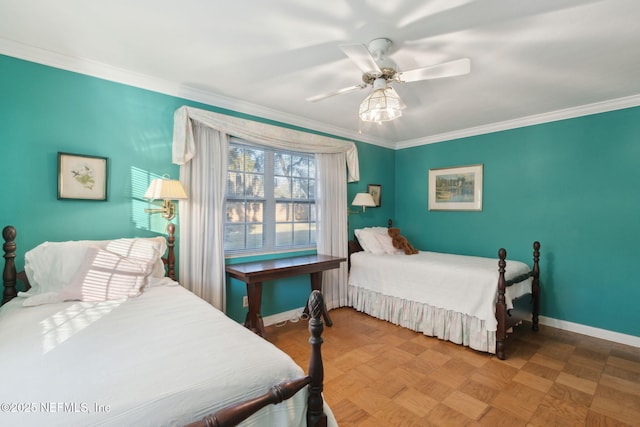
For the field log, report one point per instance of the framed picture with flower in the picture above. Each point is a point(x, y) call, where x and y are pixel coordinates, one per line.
point(82, 177)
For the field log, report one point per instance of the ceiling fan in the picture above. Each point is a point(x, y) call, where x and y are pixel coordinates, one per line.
point(379, 70)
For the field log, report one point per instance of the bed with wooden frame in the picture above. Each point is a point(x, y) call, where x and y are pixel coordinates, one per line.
point(384, 285)
point(61, 369)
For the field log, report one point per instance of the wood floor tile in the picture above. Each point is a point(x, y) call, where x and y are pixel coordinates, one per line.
point(496, 417)
point(479, 391)
point(416, 402)
point(443, 415)
point(379, 374)
point(580, 384)
point(466, 405)
point(534, 381)
point(601, 420)
point(616, 410)
point(620, 384)
point(570, 394)
point(554, 411)
point(624, 363)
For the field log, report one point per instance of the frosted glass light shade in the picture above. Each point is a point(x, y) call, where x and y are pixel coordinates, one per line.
point(382, 105)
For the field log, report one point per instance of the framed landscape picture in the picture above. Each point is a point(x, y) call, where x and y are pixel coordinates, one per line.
point(456, 188)
point(82, 177)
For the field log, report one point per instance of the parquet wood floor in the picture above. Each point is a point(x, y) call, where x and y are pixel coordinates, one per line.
point(379, 374)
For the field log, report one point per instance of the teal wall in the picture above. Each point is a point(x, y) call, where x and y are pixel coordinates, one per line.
point(376, 167)
point(571, 184)
point(44, 110)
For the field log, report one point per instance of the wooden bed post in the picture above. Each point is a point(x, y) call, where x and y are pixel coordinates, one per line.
point(235, 414)
point(535, 285)
point(501, 306)
point(171, 256)
point(315, 411)
point(9, 273)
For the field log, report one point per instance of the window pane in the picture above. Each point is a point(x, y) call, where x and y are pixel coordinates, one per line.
point(312, 167)
point(255, 212)
point(300, 166)
point(301, 212)
point(254, 236)
point(234, 237)
point(300, 188)
point(284, 212)
point(312, 189)
point(301, 234)
point(282, 164)
point(312, 234)
point(235, 184)
point(254, 160)
point(282, 188)
point(236, 158)
point(235, 211)
point(284, 234)
point(254, 186)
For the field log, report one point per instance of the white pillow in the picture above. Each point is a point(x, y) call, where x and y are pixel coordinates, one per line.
point(377, 230)
point(50, 266)
point(105, 275)
point(147, 249)
point(387, 244)
point(368, 240)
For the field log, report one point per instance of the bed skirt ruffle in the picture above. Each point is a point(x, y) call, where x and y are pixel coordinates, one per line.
point(445, 324)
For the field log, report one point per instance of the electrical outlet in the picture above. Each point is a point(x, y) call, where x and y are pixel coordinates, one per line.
point(245, 301)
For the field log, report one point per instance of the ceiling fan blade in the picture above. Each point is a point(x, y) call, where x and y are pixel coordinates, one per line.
point(361, 56)
point(446, 69)
point(336, 92)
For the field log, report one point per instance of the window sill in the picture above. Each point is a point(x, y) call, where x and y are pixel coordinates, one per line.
point(271, 254)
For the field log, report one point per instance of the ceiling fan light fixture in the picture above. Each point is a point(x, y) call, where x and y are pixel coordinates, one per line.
point(382, 105)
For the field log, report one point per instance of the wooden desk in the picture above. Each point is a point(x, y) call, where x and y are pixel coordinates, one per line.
point(254, 273)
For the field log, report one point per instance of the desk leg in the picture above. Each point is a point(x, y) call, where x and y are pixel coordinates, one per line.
point(253, 320)
point(316, 285)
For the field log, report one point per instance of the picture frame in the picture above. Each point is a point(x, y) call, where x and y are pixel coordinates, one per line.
point(376, 192)
point(456, 188)
point(82, 177)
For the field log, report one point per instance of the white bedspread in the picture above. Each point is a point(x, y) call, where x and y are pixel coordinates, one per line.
point(462, 284)
point(163, 358)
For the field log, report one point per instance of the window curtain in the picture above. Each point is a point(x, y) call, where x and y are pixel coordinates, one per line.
point(201, 218)
point(331, 208)
point(204, 228)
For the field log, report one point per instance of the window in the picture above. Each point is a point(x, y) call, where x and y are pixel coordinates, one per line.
point(270, 199)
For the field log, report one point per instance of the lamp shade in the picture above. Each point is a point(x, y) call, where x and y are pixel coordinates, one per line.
point(363, 199)
point(165, 189)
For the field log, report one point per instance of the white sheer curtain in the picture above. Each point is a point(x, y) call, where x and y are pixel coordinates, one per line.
point(201, 219)
point(331, 206)
point(203, 170)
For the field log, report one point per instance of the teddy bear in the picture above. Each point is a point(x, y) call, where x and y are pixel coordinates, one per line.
point(401, 242)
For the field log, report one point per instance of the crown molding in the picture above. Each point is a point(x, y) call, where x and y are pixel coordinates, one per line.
point(552, 116)
point(130, 78)
point(142, 81)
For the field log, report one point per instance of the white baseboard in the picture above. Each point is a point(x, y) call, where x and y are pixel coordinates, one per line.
point(292, 315)
point(591, 331)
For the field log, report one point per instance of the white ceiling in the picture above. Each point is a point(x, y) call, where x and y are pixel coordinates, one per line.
point(531, 61)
